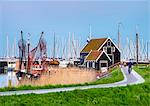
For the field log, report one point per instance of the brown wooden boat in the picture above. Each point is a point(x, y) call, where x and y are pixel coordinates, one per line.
point(54, 62)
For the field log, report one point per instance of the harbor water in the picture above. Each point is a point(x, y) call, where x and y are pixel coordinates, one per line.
point(5, 78)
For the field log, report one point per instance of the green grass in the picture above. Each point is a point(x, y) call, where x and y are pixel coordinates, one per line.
point(115, 76)
point(143, 71)
point(129, 96)
point(135, 95)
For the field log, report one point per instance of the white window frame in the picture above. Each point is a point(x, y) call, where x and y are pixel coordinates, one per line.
point(93, 64)
point(109, 43)
point(113, 49)
point(87, 64)
point(103, 61)
point(105, 49)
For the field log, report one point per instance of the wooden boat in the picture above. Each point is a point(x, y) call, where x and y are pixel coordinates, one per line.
point(54, 62)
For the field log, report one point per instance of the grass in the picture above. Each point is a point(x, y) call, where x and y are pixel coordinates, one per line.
point(135, 95)
point(115, 76)
point(142, 70)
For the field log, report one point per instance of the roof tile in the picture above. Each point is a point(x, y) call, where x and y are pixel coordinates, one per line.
point(94, 54)
point(94, 44)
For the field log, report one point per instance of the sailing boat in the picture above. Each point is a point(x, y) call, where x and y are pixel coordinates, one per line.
point(54, 61)
point(65, 61)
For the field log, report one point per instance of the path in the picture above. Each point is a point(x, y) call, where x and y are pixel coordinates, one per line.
point(129, 79)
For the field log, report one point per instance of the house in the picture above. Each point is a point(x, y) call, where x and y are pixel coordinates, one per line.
point(100, 53)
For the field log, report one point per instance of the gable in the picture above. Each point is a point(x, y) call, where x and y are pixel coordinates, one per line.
point(112, 45)
point(103, 57)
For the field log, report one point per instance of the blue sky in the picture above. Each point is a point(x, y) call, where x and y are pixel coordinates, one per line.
point(73, 16)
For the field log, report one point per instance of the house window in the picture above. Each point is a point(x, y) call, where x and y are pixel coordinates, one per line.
point(90, 64)
point(109, 51)
point(105, 49)
point(109, 43)
point(87, 64)
point(82, 56)
point(113, 49)
point(93, 64)
point(103, 64)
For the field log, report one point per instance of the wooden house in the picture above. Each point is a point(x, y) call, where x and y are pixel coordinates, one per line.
point(100, 53)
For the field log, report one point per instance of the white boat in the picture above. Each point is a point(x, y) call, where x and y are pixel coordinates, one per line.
point(63, 63)
point(11, 63)
point(6, 63)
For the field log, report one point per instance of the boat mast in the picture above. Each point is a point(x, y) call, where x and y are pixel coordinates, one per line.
point(147, 50)
point(15, 46)
point(28, 67)
point(70, 46)
point(119, 34)
point(57, 49)
point(21, 51)
point(7, 51)
point(137, 47)
point(54, 47)
point(69, 49)
point(90, 32)
point(73, 46)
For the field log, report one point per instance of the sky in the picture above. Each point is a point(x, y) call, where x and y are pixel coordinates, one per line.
point(76, 17)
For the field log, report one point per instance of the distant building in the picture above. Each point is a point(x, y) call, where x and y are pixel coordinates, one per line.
point(100, 53)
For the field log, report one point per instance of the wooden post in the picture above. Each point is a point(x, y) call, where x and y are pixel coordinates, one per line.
point(9, 83)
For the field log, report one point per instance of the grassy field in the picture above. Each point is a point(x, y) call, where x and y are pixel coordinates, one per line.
point(142, 70)
point(115, 76)
point(135, 95)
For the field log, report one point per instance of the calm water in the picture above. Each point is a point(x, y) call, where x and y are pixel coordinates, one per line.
point(4, 80)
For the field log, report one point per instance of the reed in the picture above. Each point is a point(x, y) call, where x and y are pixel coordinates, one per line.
point(56, 75)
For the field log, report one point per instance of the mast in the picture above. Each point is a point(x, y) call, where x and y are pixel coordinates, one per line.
point(90, 33)
point(28, 67)
point(147, 50)
point(15, 46)
point(40, 42)
point(63, 48)
point(74, 46)
point(54, 47)
point(7, 51)
point(69, 49)
point(21, 55)
point(119, 35)
point(137, 47)
point(57, 49)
